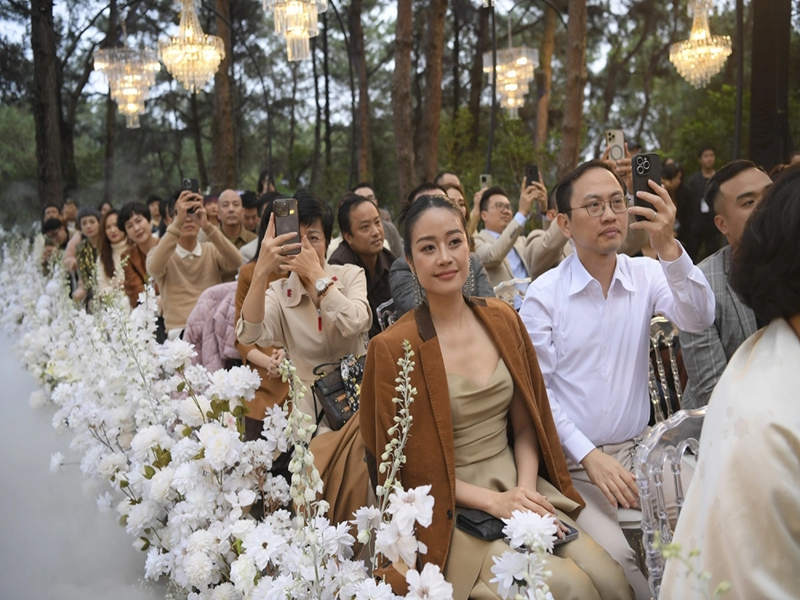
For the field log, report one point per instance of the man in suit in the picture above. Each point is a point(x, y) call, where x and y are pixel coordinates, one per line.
point(733, 192)
point(500, 246)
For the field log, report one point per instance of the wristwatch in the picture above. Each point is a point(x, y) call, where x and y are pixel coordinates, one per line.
point(322, 286)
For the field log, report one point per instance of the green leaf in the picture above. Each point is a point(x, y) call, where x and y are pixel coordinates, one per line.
point(181, 386)
point(123, 483)
point(123, 520)
point(146, 543)
point(149, 472)
point(238, 411)
point(187, 431)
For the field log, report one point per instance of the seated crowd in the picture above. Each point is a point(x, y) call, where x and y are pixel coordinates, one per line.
point(533, 400)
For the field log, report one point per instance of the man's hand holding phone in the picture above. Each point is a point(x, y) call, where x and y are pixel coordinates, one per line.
point(659, 221)
point(189, 203)
point(535, 192)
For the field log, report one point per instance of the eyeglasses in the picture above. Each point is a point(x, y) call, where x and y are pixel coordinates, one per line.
point(598, 207)
point(502, 207)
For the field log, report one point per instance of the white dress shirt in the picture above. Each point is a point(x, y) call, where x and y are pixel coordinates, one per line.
point(594, 351)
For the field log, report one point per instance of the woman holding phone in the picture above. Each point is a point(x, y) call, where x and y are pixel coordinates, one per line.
point(483, 435)
point(318, 314)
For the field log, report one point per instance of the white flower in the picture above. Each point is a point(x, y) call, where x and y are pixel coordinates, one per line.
point(527, 529)
point(238, 382)
point(56, 462)
point(52, 288)
point(509, 570)
point(185, 449)
point(225, 591)
point(243, 499)
point(366, 517)
point(176, 354)
point(243, 574)
point(201, 541)
point(186, 477)
point(274, 429)
point(369, 589)
point(395, 545)
point(264, 545)
point(242, 527)
point(190, 414)
point(104, 502)
point(38, 399)
point(222, 445)
point(111, 463)
point(198, 567)
point(156, 564)
point(160, 484)
point(148, 438)
point(429, 584)
point(277, 588)
point(411, 505)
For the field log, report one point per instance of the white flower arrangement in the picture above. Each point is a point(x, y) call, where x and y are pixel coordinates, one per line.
point(163, 439)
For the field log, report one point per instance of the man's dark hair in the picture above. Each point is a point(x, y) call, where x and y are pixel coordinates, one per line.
point(670, 170)
point(153, 198)
point(495, 190)
point(564, 187)
point(362, 184)
point(766, 264)
point(51, 205)
point(170, 202)
point(311, 208)
point(249, 199)
point(422, 189)
point(440, 174)
point(51, 225)
point(346, 205)
point(712, 194)
point(703, 149)
point(130, 209)
point(416, 210)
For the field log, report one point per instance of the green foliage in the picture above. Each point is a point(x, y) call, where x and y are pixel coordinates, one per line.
point(18, 168)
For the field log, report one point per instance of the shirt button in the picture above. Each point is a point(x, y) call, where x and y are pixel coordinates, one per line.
point(449, 514)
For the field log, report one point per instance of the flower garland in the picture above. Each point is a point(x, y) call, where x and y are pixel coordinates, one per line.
point(164, 440)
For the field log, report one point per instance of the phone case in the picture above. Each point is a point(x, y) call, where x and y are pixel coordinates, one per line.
point(615, 140)
point(645, 167)
point(287, 220)
point(531, 175)
point(486, 181)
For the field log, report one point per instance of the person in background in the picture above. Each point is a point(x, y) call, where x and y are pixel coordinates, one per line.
point(250, 249)
point(231, 215)
point(264, 359)
point(741, 515)
point(686, 218)
point(546, 248)
point(70, 210)
point(734, 192)
point(134, 220)
point(55, 238)
point(250, 210)
point(212, 210)
point(104, 207)
point(154, 206)
point(477, 386)
point(265, 183)
point(391, 235)
point(86, 253)
point(705, 234)
point(183, 267)
point(455, 192)
point(166, 218)
point(50, 211)
point(362, 245)
point(112, 245)
point(445, 178)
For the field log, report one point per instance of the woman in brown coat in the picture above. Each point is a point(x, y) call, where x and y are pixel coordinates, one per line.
point(482, 436)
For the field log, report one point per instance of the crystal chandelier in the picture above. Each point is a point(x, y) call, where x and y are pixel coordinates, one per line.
point(700, 57)
point(297, 22)
point(130, 74)
point(515, 68)
point(192, 57)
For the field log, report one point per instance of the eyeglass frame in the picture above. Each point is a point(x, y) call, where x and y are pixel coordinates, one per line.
point(602, 212)
point(499, 206)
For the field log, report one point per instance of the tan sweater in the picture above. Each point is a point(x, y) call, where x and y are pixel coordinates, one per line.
point(182, 280)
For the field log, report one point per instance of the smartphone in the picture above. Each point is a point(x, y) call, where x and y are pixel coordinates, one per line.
point(645, 167)
point(615, 140)
point(486, 181)
point(570, 535)
point(287, 220)
point(193, 186)
point(531, 175)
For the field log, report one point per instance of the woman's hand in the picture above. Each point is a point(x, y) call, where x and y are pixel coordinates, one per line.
point(306, 264)
point(274, 362)
point(274, 249)
point(520, 498)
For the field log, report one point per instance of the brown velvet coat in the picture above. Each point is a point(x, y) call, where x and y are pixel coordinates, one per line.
point(430, 451)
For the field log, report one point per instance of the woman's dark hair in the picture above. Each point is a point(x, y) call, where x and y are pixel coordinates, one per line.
point(311, 208)
point(88, 211)
point(423, 189)
point(268, 199)
point(495, 190)
point(348, 202)
point(766, 265)
point(265, 175)
point(564, 187)
point(420, 206)
point(104, 250)
point(103, 203)
point(130, 209)
point(456, 186)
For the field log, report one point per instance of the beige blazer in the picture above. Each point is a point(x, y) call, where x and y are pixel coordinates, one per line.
point(493, 253)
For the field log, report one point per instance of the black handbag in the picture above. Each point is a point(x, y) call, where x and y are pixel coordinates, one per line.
point(338, 390)
point(480, 524)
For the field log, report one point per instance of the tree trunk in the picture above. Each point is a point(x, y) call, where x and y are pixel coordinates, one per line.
point(223, 150)
point(359, 58)
point(292, 127)
point(317, 120)
point(432, 102)
point(326, 69)
point(197, 138)
point(576, 79)
point(45, 103)
point(111, 113)
point(401, 99)
point(543, 106)
point(476, 72)
point(456, 59)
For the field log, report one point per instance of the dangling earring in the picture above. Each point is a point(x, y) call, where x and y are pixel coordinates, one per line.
point(419, 295)
point(469, 284)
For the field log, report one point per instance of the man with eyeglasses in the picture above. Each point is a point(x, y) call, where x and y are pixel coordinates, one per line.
point(500, 245)
point(589, 320)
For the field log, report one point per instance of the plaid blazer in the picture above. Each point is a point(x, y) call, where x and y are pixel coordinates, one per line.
point(707, 354)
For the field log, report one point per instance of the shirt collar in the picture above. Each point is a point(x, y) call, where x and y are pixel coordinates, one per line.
point(183, 252)
point(494, 234)
point(580, 277)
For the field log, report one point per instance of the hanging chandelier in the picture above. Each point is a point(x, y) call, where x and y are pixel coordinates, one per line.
point(192, 57)
point(297, 22)
point(700, 57)
point(130, 74)
point(515, 67)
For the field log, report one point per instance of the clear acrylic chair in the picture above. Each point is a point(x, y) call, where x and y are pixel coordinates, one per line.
point(662, 450)
point(663, 332)
point(507, 290)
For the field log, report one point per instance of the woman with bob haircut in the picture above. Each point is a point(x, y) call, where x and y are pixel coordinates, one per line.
point(483, 435)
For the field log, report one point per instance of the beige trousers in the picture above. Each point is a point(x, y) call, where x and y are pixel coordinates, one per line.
point(599, 518)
